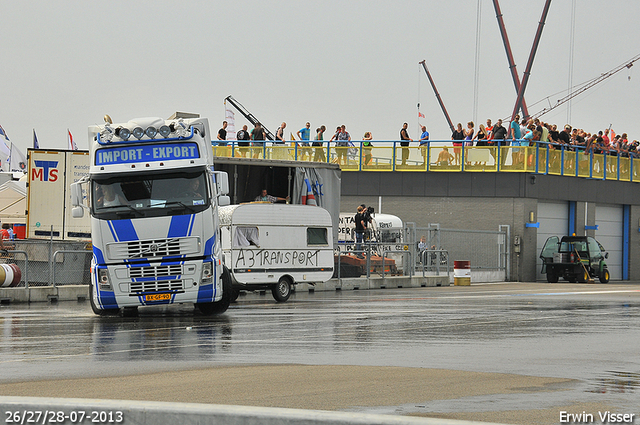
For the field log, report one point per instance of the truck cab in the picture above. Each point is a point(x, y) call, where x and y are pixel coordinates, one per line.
point(153, 197)
point(574, 258)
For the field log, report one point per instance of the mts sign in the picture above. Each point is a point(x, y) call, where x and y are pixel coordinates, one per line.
point(45, 171)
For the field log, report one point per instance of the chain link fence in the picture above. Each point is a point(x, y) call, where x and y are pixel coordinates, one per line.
point(438, 249)
point(50, 263)
point(56, 263)
point(431, 251)
point(485, 249)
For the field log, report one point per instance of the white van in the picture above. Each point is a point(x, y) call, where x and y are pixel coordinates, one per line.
point(275, 246)
point(385, 228)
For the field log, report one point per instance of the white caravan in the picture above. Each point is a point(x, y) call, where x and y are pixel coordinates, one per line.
point(275, 246)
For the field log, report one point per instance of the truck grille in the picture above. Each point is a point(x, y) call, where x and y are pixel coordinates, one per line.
point(155, 271)
point(153, 248)
point(159, 286)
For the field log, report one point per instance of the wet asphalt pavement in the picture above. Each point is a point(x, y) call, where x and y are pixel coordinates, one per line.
point(586, 335)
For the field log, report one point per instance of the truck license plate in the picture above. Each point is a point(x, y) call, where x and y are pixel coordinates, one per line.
point(157, 297)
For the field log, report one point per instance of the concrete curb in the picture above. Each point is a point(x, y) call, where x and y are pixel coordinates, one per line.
point(161, 413)
point(81, 292)
point(45, 293)
point(376, 283)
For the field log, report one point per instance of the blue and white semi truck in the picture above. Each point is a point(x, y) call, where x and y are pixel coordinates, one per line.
point(153, 197)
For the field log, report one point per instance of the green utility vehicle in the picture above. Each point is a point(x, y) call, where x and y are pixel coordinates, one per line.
point(574, 258)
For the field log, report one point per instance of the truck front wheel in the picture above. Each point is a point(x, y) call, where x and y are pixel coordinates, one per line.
point(221, 306)
point(604, 276)
point(234, 295)
point(96, 309)
point(282, 290)
point(552, 277)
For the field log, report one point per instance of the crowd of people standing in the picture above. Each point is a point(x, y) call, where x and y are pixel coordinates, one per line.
point(517, 133)
point(528, 132)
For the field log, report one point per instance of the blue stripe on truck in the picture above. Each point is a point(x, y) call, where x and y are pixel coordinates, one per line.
point(180, 226)
point(123, 230)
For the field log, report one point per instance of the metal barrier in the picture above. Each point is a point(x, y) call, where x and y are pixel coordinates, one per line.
point(487, 249)
point(338, 253)
point(434, 258)
point(542, 158)
point(71, 272)
point(372, 249)
point(44, 263)
point(403, 252)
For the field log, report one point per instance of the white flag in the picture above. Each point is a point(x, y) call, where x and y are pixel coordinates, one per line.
point(230, 118)
point(18, 160)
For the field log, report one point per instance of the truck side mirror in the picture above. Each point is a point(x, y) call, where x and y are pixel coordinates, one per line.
point(76, 194)
point(77, 212)
point(606, 255)
point(224, 201)
point(222, 182)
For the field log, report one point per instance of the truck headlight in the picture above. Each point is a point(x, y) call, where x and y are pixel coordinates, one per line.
point(164, 131)
point(123, 133)
point(151, 132)
point(207, 272)
point(103, 280)
point(138, 132)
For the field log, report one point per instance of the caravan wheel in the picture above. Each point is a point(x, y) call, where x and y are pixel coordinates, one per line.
point(282, 290)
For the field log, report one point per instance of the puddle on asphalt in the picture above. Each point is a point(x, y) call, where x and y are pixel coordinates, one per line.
point(615, 382)
point(578, 306)
point(619, 387)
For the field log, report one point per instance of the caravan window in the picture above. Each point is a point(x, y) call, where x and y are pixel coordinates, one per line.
point(246, 236)
point(317, 236)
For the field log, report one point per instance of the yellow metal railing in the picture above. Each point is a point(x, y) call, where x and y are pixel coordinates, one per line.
point(438, 156)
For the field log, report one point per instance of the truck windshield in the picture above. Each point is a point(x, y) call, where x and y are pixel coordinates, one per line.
point(149, 195)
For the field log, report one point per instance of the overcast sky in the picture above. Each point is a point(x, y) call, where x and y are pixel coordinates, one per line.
point(64, 64)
